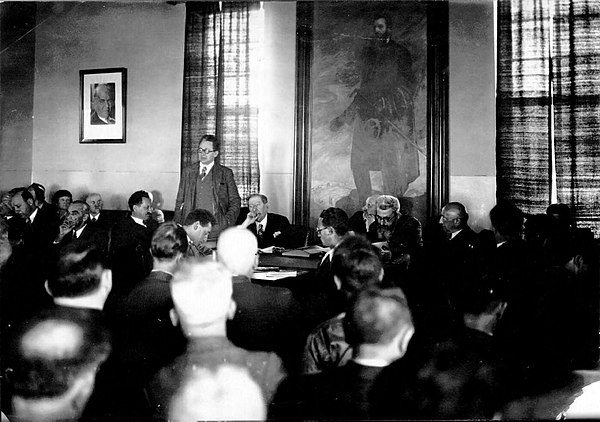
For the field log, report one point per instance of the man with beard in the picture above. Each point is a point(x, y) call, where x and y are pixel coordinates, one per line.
point(382, 115)
point(400, 234)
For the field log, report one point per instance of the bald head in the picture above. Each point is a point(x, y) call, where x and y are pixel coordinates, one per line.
point(236, 249)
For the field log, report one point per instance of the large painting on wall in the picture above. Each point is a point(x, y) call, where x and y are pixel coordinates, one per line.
point(366, 80)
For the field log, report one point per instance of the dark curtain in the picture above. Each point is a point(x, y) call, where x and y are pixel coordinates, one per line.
point(577, 108)
point(523, 104)
point(220, 50)
point(547, 105)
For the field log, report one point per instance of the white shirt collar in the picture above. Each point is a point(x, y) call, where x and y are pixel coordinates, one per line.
point(33, 214)
point(97, 216)
point(78, 232)
point(377, 363)
point(263, 222)
point(454, 234)
point(138, 220)
point(500, 244)
point(208, 167)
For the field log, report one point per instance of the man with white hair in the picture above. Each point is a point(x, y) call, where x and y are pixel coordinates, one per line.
point(97, 217)
point(202, 295)
point(266, 317)
point(402, 233)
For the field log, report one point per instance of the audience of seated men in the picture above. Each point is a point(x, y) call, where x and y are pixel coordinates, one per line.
point(202, 295)
point(197, 226)
point(130, 244)
point(355, 265)
point(97, 217)
point(378, 326)
point(269, 228)
point(361, 220)
point(145, 338)
point(53, 364)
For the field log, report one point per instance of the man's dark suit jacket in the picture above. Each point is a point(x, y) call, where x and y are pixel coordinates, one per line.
point(104, 221)
point(342, 393)
point(225, 194)
point(90, 234)
point(95, 120)
point(266, 318)
point(276, 223)
point(129, 254)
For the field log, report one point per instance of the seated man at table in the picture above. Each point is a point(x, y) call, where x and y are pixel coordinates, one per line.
point(269, 228)
point(197, 226)
point(402, 233)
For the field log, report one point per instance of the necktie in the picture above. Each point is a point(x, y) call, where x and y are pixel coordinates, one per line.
point(203, 174)
point(260, 230)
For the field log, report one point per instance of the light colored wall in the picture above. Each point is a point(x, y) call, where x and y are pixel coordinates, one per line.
point(276, 118)
point(148, 40)
point(472, 108)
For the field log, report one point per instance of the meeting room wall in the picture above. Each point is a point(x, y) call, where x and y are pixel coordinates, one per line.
point(148, 40)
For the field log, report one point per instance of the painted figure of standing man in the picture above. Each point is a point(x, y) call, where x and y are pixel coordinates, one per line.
point(382, 115)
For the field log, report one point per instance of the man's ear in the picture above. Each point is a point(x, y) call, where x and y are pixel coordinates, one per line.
point(232, 309)
point(47, 288)
point(106, 280)
point(405, 339)
point(174, 317)
point(578, 261)
point(337, 281)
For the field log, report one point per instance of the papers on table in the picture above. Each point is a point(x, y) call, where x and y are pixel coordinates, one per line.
point(273, 275)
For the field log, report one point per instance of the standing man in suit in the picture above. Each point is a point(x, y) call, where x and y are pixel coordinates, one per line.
point(97, 218)
point(209, 186)
point(130, 249)
point(75, 228)
point(270, 229)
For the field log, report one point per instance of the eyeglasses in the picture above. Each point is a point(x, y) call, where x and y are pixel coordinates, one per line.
point(319, 230)
point(444, 218)
point(205, 151)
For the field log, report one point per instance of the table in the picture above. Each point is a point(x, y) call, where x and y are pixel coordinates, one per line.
point(289, 262)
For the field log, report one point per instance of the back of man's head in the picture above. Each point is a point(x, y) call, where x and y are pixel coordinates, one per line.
point(200, 215)
point(54, 359)
point(236, 249)
point(201, 292)
point(226, 392)
point(356, 264)
point(39, 191)
point(337, 219)
point(78, 272)
point(377, 316)
point(169, 242)
point(507, 219)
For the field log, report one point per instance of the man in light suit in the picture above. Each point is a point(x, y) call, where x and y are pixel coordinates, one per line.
point(270, 229)
point(209, 186)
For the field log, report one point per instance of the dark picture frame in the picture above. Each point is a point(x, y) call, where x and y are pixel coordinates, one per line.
point(327, 26)
point(103, 99)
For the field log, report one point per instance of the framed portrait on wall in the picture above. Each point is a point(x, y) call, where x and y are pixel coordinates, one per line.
point(371, 106)
point(102, 105)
